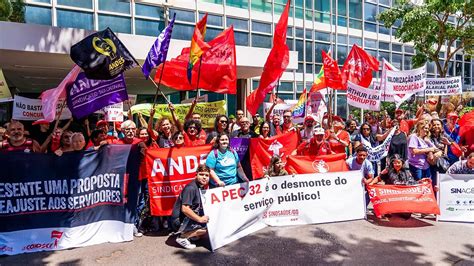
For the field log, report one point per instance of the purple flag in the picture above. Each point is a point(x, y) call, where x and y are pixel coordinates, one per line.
point(159, 50)
point(241, 146)
point(86, 96)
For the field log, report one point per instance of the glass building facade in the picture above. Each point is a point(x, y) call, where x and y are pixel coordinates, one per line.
point(309, 31)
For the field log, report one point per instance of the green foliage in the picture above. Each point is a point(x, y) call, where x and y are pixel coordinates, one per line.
point(429, 27)
point(465, 110)
point(5, 10)
point(18, 14)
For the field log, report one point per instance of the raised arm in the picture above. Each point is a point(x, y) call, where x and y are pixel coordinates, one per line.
point(191, 110)
point(267, 115)
point(150, 130)
point(175, 118)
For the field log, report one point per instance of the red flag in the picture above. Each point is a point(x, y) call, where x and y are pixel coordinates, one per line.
point(399, 199)
point(332, 73)
point(358, 67)
point(316, 164)
point(168, 171)
point(274, 66)
point(49, 98)
point(262, 150)
point(218, 70)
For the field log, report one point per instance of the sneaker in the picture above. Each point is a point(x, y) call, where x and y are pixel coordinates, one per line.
point(137, 233)
point(184, 242)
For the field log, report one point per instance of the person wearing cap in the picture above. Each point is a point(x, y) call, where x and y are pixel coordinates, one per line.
point(402, 123)
point(451, 128)
point(316, 146)
point(307, 132)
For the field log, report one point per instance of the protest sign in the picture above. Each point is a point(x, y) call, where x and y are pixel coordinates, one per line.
point(78, 199)
point(5, 94)
point(405, 82)
point(443, 86)
point(168, 171)
point(456, 198)
point(280, 108)
point(27, 109)
point(208, 111)
point(379, 152)
point(87, 95)
point(262, 150)
point(317, 106)
point(363, 98)
point(316, 164)
point(114, 113)
point(388, 199)
point(384, 96)
point(241, 146)
point(279, 201)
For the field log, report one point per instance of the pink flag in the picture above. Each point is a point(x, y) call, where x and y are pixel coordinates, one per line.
point(49, 98)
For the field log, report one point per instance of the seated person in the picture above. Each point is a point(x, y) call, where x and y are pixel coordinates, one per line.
point(360, 163)
point(188, 216)
point(396, 174)
point(316, 145)
point(276, 167)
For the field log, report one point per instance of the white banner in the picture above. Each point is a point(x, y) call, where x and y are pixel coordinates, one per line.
point(30, 109)
point(280, 108)
point(317, 106)
point(49, 239)
point(384, 97)
point(443, 86)
point(114, 112)
point(456, 198)
point(238, 210)
point(364, 98)
point(375, 154)
point(406, 81)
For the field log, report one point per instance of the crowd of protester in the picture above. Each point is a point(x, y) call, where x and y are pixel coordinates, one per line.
point(420, 148)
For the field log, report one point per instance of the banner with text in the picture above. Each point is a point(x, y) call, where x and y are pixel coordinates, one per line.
point(27, 109)
point(241, 146)
point(388, 199)
point(78, 199)
point(406, 81)
point(456, 198)
point(443, 86)
point(168, 171)
point(208, 111)
point(363, 98)
point(114, 113)
point(280, 201)
point(379, 152)
point(384, 96)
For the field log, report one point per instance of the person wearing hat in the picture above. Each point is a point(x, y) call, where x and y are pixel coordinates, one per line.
point(402, 123)
point(316, 145)
point(451, 128)
point(337, 137)
point(307, 131)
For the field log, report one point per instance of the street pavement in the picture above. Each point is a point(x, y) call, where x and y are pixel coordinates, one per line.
point(394, 241)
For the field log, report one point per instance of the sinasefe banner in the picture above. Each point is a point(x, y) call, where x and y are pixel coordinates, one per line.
point(456, 198)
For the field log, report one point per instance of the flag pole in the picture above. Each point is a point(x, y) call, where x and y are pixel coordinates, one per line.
point(158, 86)
point(278, 88)
point(59, 115)
point(199, 77)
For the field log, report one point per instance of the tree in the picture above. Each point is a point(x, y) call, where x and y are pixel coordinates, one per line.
point(5, 10)
point(18, 14)
point(432, 25)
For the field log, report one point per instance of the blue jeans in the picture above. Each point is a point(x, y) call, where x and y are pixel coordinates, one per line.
point(418, 173)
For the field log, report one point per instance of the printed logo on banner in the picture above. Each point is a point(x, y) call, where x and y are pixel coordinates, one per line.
point(320, 166)
point(56, 235)
point(275, 147)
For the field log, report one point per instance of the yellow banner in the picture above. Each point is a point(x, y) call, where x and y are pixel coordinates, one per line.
point(5, 94)
point(208, 111)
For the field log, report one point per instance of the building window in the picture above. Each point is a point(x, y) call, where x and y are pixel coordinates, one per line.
point(117, 24)
point(148, 27)
point(341, 54)
point(319, 48)
point(38, 15)
point(213, 20)
point(322, 17)
point(369, 43)
point(239, 24)
point(322, 36)
point(75, 19)
point(211, 33)
point(299, 33)
point(342, 39)
point(407, 62)
point(76, 3)
point(397, 47)
point(370, 27)
point(241, 38)
point(300, 49)
point(410, 50)
point(322, 5)
point(262, 41)
point(384, 45)
point(183, 31)
point(262, 6)
point(355, 24)
point(309, 50)
point(238, 3)
point(149, 11)
point(213, 1)
point(183, 15)
point(261, 27)
point(397, 60)
point(115, 6)
point(355, 9)
point(355, 40)
point(385, 55)
point(370, 12)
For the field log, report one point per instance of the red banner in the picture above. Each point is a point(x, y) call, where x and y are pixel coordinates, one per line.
point(316, 164)
point(168, 171)
point(403, 199)
point(261, 151)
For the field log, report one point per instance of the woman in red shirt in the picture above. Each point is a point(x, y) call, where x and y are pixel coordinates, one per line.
point(337, 137)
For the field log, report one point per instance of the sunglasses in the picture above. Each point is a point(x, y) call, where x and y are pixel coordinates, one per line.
point(366, 129)
point(223, 121)
point(180, 137)
point(286, 116)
